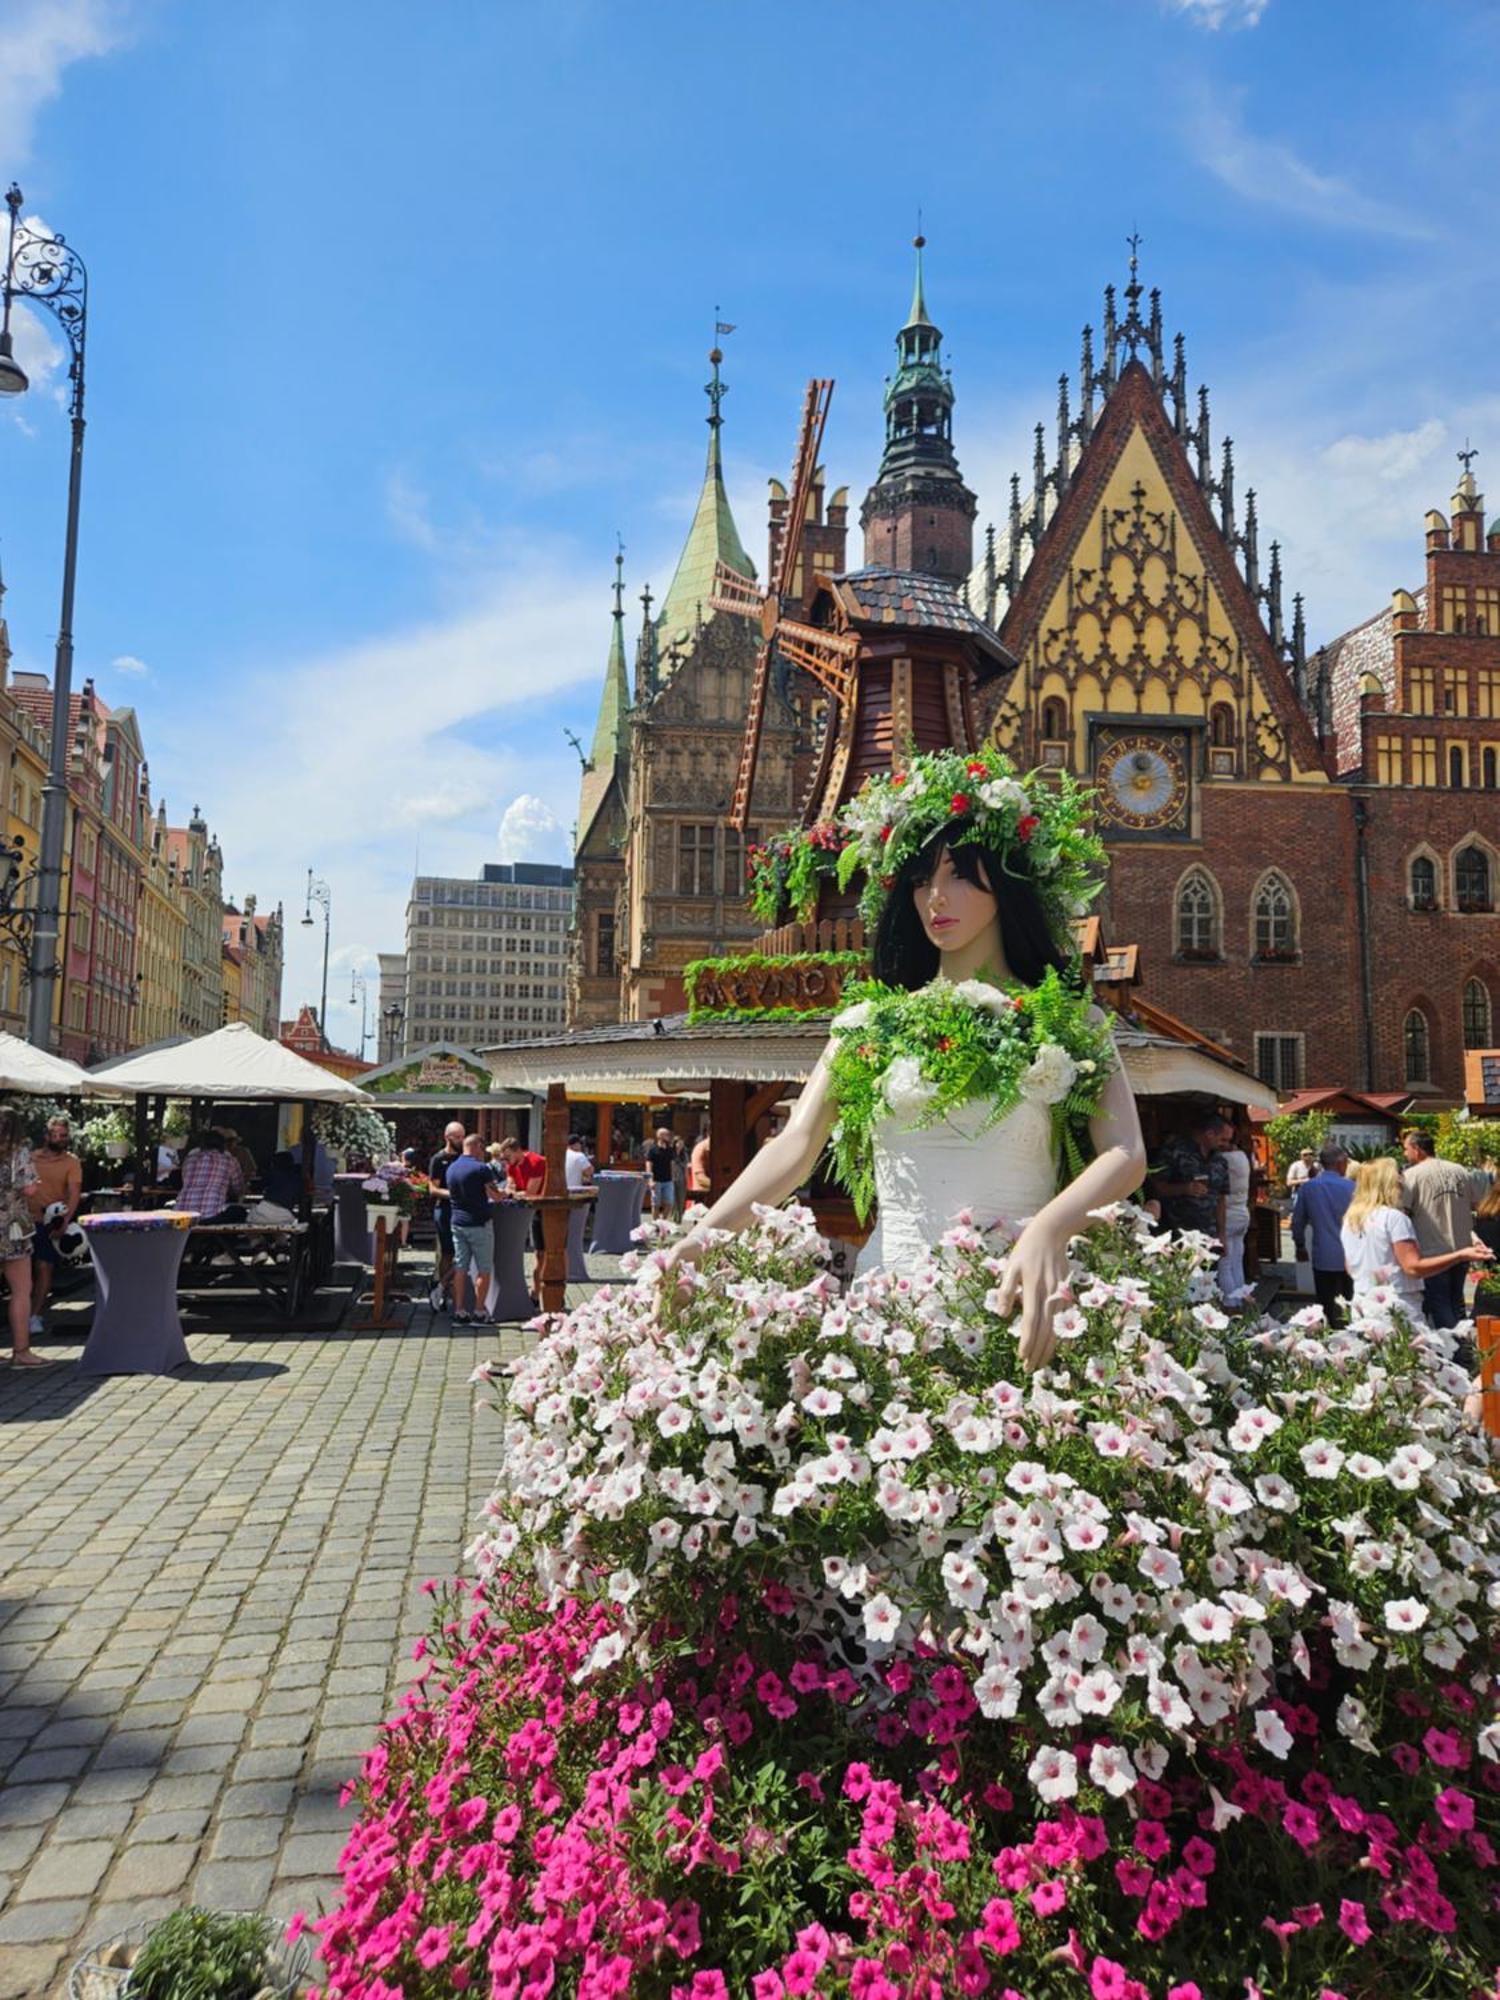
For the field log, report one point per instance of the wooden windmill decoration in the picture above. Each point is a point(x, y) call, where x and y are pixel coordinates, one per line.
point(828, 656)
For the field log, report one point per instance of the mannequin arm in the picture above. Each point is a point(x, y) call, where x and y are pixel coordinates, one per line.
point(1038, 1265)
point(778, 1169)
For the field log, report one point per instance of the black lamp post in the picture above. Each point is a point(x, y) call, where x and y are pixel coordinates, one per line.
point(44, 271)
point(393, 1018)
point(318, 892)
point(359, 989)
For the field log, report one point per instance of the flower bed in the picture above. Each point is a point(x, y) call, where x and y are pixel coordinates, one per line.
point(814, 1651)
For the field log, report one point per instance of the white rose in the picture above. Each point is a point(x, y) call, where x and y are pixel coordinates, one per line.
point(978, 993)
point(1051, 1075)
point(854, 1017)
point(906, 1090)
point(998, 793)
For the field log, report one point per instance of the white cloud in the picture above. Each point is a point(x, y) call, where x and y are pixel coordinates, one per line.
point(1271, 173)
point(39, 39)
point(530, 831)
point(129, 665)
point(1220, 13)
point(408, 510)
point(390, 756)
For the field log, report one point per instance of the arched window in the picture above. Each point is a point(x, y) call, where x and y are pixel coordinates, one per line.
point(1054, 719)
point(1423, 882)
point(1471, 879)
point(1275, 922)
point(1458, 775)
point(1489, 770)
point(1417, 1043)
point(1476, 1014)
point(1197, 917)
point(1221, 726)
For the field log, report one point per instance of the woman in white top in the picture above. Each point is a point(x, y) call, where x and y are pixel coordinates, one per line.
point(1236, 1222)
point(1380, 1244)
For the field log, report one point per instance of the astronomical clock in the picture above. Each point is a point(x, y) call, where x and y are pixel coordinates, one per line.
point(1143, 781)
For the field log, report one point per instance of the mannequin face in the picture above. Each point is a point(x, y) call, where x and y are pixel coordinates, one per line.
point(958, 916)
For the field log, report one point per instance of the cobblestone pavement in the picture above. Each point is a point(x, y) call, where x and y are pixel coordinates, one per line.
point(209, 1587)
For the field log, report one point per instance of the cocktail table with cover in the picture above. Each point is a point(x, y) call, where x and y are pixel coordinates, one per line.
point(510, 1289)
point(617, 1212)
point(136, 1329)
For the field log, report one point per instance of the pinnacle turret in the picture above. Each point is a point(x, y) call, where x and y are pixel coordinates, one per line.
point(713, 538)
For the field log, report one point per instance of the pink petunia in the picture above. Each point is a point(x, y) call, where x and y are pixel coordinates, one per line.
point(1047, 1898)
point(433, 1946)
point(1455, 1809)
point(1108, 1980)
point(1353, 1921)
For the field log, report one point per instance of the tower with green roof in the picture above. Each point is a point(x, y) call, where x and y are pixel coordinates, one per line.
point(919, 515)
point(610, 749)
point(713, 538)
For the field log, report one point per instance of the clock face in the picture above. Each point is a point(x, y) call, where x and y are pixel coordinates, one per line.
point(1142, 782)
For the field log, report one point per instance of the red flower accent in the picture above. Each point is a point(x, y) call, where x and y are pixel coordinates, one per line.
point(899, 778)
point(945, 1042)
point(887, 881)
point(885, 833)
point(1027, 825)
point(975, 769)
point(961, 802)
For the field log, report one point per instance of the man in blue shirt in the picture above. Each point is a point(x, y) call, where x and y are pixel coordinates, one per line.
point(1320, 1208)
point(472, 1184)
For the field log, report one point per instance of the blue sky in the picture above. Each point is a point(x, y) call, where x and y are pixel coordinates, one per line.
point(398, 315)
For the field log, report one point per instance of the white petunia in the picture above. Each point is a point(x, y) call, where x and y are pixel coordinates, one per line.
point(1207, 1623)
point(1272, 1733)
point(1054, 1773)
point(882, 1618)
point(857, 1016)
point(1405, 1614)
point(1321, 1459)
point(1111, 1769)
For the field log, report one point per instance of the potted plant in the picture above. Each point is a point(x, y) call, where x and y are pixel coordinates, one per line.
point(194, 1954)
point(104, 1136)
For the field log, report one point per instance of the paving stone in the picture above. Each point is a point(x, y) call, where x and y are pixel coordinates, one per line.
point(215, 1728)
point(35, 1923)
point(102, 1822)
point(28, 1971)
point(39, 1765)
point(153, 1871)
point(18, 1844)
point(31, 1805)
point(185, 1824)
point(104, 1787)
point(246, 1839)
point(260, 1797)
point(280, 1731)
point(234, 1885)
point(272, 1762)
point(74, 1870)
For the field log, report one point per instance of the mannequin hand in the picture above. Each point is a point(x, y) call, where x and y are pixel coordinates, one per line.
point(1036, 1273)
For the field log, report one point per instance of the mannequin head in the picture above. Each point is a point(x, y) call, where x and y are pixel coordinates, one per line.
point(971, 887)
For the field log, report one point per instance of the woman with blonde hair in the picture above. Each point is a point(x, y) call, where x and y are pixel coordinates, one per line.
point(1380, 1244)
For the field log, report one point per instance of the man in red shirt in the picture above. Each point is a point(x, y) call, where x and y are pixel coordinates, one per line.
point(527, 1173)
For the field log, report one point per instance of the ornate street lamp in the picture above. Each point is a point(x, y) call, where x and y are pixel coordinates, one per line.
point(45, 271)
point(393, 1017)
point(359, 989)
point(319, 892)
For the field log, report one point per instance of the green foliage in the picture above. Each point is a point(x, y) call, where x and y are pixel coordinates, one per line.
point(200, 1954)
point(36, 1113)
point(788, 869)
point(741, 964)
point(1470, 1141)
point(1289, 1134)
point(919, 1056)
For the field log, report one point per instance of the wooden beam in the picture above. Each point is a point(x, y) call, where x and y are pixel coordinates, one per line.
point(554, 1203)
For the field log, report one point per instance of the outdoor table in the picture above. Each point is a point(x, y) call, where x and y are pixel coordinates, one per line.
point(578, 1270)
point(510, 1288)
point(136, 1330)
point(351, 1227)
point(617, 1212)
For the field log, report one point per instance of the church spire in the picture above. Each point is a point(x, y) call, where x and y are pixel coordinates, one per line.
point(713, 538)
point(919, 515)
point(608, 751)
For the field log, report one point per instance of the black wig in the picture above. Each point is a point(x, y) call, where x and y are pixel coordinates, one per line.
point(904, 955)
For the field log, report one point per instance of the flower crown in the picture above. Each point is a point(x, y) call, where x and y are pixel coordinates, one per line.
point(1044, 815)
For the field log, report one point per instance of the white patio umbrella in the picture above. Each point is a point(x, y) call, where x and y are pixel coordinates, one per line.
point(230, 1064)
point(32, 1072)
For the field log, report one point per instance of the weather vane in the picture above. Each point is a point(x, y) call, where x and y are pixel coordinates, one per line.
point(1468, 455)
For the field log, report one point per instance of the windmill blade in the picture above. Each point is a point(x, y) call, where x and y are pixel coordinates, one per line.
point(804, 471)
point(735, 593)
point(744, 782)
point(827, 656)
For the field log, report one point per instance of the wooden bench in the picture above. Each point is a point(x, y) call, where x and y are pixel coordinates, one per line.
point(277, 1258)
